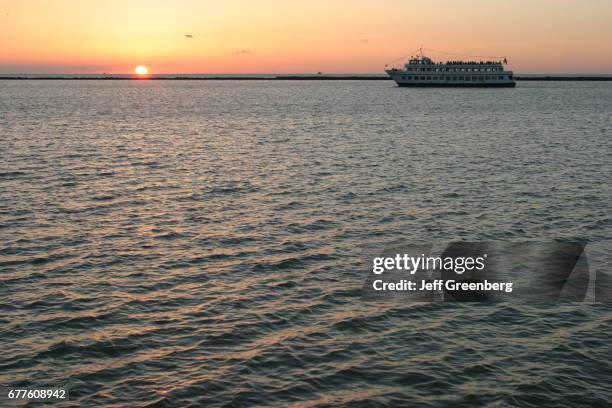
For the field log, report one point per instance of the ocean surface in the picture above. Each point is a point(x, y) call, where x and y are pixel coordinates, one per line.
point(173, 243)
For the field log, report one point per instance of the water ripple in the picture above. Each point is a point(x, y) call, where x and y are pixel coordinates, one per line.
point(204, 248)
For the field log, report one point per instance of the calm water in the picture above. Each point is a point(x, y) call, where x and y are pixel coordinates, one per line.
point(200, 243)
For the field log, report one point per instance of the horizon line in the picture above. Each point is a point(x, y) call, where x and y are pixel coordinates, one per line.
point(273, 77)
point(131, 74)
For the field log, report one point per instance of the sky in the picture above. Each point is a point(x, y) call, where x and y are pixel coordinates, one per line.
point(273, 36)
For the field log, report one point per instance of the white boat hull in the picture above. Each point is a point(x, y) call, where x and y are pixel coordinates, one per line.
point(447, 80)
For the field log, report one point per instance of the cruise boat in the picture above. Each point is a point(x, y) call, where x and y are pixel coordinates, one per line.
point(421, 71)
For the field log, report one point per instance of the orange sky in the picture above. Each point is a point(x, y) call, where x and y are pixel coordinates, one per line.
point(274, 36)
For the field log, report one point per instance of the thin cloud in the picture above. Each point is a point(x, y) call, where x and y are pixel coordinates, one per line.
point(188, 35)
point(242, 52)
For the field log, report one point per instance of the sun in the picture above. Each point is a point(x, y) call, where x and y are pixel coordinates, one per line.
point(141, 70)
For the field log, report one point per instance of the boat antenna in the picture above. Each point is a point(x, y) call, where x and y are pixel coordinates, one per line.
point(402, 57)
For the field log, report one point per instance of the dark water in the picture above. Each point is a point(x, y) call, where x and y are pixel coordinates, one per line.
point(189, 243)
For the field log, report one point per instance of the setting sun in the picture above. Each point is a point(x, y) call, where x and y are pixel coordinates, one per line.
point(141, 70)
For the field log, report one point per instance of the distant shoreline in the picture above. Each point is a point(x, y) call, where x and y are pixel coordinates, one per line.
point(277, 78)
